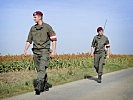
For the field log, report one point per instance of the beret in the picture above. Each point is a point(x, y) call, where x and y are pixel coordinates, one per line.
point(38, 13)
point(99, 29)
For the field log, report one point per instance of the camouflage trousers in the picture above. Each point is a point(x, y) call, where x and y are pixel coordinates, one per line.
point(41, 61)
point(99, 61)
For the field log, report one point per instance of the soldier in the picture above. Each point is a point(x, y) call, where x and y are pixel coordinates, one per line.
point(99, 43)
point(41, 34)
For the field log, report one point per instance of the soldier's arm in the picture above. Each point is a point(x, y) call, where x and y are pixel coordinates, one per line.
point(28, 42)
point(92, 50)
point(26, 48)
point(53, 53)
point(53, 38)
point(108, 52)
point(108, 48)
point(92, 47)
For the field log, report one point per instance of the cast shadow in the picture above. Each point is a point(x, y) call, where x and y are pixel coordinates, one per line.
point(90, 77)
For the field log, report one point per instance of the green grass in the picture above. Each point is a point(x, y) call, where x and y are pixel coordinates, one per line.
point(76, 69)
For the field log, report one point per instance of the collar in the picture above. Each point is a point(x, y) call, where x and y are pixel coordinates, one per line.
point(38, 27)
point(99, 37)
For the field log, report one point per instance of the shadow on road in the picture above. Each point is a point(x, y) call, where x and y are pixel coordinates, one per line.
point(90, 78)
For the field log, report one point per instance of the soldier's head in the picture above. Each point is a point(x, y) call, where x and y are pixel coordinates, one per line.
point(38, 16)
point(100, 31)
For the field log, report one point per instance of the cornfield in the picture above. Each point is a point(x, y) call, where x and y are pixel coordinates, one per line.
point(19, 62)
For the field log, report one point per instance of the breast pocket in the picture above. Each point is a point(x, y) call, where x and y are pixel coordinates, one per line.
point(43, 37)
point(36, 37)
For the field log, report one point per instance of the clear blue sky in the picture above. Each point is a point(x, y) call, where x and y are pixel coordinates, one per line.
point(74, 21)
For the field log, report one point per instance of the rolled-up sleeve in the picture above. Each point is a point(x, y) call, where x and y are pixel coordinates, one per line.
point(107, 43)
point(30, 37)
point(93, 43)
point(52, 34)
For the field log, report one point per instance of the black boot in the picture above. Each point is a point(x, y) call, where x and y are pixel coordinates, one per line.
point(43, 83)
point(99, 78)
point(38, 87)
point(42, 86)
point(47, 86)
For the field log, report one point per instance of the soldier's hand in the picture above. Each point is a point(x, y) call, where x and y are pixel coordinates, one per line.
point(53, 54)
point(107, 56)
point(25, 52)
point(92, 54)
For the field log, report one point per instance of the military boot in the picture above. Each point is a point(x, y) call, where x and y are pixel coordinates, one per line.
point(99, 79)
point(47, 86)
point(42, 86)
point(38, 87)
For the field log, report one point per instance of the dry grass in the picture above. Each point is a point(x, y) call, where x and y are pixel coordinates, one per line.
point(15, 77)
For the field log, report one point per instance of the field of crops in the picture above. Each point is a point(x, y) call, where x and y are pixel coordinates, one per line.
point(20, 62)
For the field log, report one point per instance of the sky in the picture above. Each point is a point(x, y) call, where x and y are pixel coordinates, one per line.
point(74, 21)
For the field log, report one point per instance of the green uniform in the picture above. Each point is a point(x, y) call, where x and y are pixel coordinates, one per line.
point(99, 43)
point(41, 35)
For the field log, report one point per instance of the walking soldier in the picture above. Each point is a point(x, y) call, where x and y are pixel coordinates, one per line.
point(99, 43)
point(41, 34)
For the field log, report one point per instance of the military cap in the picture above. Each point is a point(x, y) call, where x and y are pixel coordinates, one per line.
point(38, 13)
point(99, 29)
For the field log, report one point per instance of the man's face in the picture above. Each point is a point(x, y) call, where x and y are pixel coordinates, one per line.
point(37, 18)
point(100, 33)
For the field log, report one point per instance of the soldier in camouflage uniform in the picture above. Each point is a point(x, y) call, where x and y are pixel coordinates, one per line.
point(41, 34)
point(99, 43)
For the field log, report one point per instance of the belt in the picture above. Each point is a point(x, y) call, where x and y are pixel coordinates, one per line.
point(98, 52)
